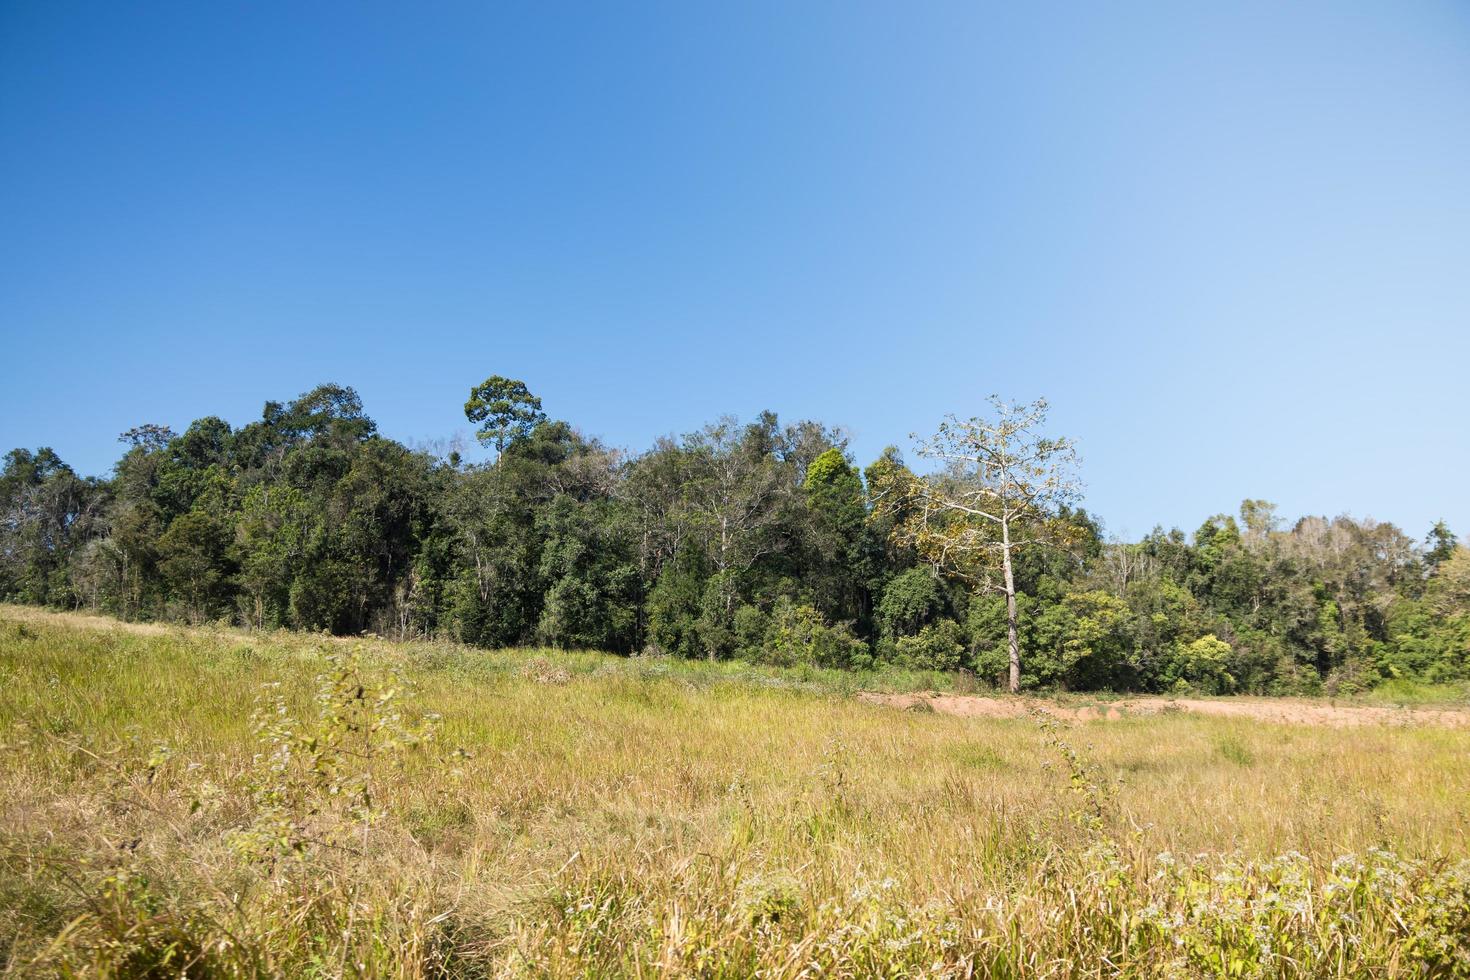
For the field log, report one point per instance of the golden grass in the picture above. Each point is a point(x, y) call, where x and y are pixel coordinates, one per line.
point(578, 814)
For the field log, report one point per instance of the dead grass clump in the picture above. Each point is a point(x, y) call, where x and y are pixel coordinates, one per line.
point(543, 671)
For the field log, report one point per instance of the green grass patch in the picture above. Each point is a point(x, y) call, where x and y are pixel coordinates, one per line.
point(213, 803)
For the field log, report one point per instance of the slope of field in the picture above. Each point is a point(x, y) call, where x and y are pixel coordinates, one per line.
point(213, 803)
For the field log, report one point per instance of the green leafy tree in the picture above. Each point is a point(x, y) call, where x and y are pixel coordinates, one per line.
point(1203, 664)
point(1440, 542)
point(675, 604)
point(47, 513)
point(1095, 650)
point(799, 635)
point(754, 540)
point(911, 600)
point(937, 646)
point(845, 559)
point(270, 540)
point(1449, 593)
point(149, 436)
point(505, 411)
point(192, 558)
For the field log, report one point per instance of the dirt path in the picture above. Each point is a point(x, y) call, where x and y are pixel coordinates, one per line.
point(1286, 711)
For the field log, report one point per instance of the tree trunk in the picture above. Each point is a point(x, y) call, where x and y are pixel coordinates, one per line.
point(1013, 641)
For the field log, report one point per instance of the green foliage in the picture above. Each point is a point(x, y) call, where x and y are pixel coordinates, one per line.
point(674, 606)
point(1093, 645)
point(1440, 545)
point(911, 600)
point(709, 545)
point(270, 536)
point(1203, 664)
point(192, 562)
point(844, 554)
point(937, 646)
point(797, 635)
point(505, 410)
point(314, 782)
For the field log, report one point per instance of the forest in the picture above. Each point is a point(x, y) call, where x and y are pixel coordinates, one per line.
point(753, 540)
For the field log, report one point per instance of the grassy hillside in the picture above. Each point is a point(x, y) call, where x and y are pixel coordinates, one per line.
point(229, 805)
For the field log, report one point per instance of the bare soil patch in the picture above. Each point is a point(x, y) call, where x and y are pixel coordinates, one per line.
point(1285, 711)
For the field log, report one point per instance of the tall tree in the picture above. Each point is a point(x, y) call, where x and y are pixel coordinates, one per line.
point(505, 410)
point(149, 435)
point(1440, 545)
point(1000, 490)
point(841, 561)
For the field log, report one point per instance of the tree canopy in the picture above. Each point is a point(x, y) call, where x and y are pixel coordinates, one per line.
point(760, 540)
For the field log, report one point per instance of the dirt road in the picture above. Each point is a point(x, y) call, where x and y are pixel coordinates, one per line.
point(1286, 711)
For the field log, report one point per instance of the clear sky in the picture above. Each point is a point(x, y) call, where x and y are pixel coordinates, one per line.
point(1229, 242)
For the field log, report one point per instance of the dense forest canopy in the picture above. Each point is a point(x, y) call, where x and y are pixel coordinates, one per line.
point(754, 540)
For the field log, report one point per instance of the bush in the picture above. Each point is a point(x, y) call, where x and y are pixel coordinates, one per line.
point(939, 646)
point(751, 625)
point(1202, 665)
point(799, 635)
point(910, 601)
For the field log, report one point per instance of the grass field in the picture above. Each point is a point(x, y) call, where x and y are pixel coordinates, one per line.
point(211, 803)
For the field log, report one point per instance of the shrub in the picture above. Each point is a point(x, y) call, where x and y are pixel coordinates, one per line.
point(939, 646)
point(909, 601)
point(751, 624)
point(1201, 665)
point(799, 635)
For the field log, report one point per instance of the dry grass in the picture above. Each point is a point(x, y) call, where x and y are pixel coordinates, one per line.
point(577, 814)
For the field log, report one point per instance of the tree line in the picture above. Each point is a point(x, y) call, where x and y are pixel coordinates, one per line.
point(756, 540)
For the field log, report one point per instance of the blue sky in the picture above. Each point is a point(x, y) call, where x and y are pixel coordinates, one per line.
point(1229, 242)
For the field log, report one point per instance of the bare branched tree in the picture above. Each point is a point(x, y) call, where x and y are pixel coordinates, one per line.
point(1001, 488)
